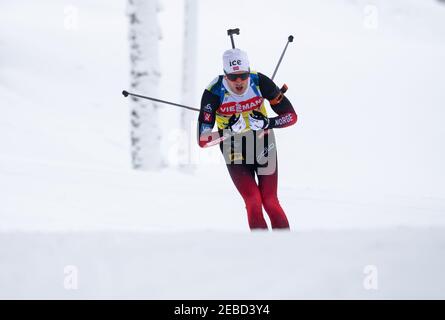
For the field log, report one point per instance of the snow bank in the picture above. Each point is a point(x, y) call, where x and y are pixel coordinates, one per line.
point(398, 263)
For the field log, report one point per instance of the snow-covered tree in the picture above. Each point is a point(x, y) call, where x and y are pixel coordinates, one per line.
point(144, 35)
point(188, 118)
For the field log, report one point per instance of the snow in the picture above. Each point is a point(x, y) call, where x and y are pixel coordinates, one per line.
point(225, 265)
point(361, 175)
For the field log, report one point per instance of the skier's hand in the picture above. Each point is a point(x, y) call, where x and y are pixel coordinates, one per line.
point(258, 121)
point(236, 123)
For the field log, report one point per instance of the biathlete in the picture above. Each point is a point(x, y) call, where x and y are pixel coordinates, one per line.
point(235, 101)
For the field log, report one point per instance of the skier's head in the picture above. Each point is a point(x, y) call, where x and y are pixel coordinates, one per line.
point(235, 60)
point(236, 69)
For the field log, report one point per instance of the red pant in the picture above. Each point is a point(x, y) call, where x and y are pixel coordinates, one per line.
point(256, 196)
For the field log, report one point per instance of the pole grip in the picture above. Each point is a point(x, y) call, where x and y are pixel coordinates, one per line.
point(230, 33)
point(233, 31)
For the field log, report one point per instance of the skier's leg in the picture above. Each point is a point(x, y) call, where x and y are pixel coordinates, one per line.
point(268, 185)
point(243, 176)
point(267, 171)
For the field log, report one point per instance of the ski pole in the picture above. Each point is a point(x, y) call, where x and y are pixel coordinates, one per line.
point(126, 94)
point(289, 39)
point(230, 33)
point(284, 87)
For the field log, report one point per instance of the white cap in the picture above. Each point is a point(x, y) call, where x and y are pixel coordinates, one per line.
point(235, 60)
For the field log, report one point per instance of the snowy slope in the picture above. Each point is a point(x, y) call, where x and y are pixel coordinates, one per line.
point(405, 264)
point(367, 153)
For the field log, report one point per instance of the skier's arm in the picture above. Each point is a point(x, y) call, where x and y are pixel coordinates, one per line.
point(206, 120)
point(278, 102)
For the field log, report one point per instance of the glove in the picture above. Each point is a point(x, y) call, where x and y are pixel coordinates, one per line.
point(237, 123)
point(258, 121)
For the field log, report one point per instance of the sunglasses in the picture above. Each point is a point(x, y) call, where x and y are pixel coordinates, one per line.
point(234, 76)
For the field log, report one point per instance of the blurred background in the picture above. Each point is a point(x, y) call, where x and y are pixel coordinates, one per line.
point(365, 78)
